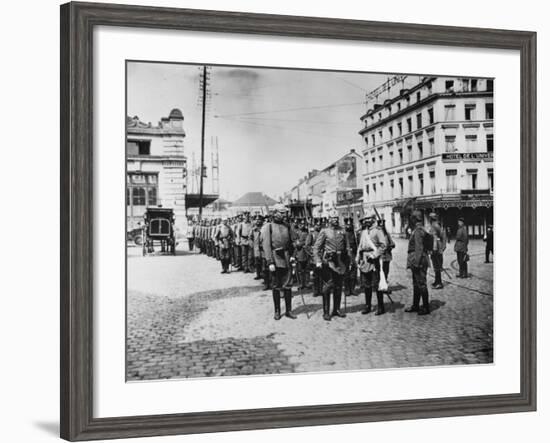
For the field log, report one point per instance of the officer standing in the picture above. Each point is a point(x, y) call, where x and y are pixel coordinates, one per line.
point(224, 238)
point(461, 249)
point(332, 255)
point(417, 262)
point(277, 245)
point(350, 279)
point(237, 263)
point(310, 241)
point(488, 239)
point(372, 246)
point(266, 273)
point(257, 246)
point(440, 243)
point(301, 255)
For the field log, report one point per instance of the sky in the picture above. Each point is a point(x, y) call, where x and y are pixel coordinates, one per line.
point(272, 125)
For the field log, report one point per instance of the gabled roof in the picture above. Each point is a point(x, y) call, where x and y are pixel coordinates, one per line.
point(254, 199)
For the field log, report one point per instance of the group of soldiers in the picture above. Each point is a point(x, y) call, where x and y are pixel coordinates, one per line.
point(322, 255)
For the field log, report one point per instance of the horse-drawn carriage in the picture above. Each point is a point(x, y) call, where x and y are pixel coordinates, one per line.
point(158, 227)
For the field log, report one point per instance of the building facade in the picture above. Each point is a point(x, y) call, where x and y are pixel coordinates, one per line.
point(431, 147)
point(156, 168)
point(339, 186)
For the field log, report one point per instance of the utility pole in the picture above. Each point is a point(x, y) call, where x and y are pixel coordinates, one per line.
point(201, 186)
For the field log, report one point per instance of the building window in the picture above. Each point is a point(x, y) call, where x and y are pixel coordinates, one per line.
point(469, 112)
point(490, 85)
point(392, 188)
point(432, 146)
point(367, 165)
point(418, 121)
point(367, 191)
point(489, 111)
point(138, 147)
point(374, 194)
point(410, 185)
point(409, 153)
point(379, 116)
point(390, 129)
point(471, 143)
point(449, 85)
point(472, 178)
point(490, 178)
point(421, 183)
point(401, 187)
point(450, 143)
point(490, 142)
point(380, 136)
point(399, 106)
point(420, 150)
point(400, 156)
point(138, 196)
point(366, 141)
point(381, 158)
point(418, 97)
point(465, 85)
point(409, 125)
point(430, 116)
point(408, 100)
point(373, 140)
point(128, 196)
point(381, 187)
point(400, 128)
point(391, 158)
point(152, 196)
point(451, 180)
point(450, 112)
point(432, 182)
point(473, 84)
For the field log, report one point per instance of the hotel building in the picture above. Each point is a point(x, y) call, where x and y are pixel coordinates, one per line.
point(430, 147)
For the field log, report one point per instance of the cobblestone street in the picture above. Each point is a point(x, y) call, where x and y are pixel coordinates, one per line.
point(187, 320)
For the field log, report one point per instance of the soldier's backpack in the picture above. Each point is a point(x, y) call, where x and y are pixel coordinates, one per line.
point(428, 241)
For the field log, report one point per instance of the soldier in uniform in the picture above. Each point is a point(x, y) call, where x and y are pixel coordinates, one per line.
point(257, 247)
point(350, 279)
point(440, 243)
point(417, 262)
point(372, 245)
point(224, 238)
point(310, 241)
point(489, 241)
point(266, 273)
point(332, 255)
point(236, 244)
point(301, 255)
point(461, 249)
point(244, 234)
point(277, 246)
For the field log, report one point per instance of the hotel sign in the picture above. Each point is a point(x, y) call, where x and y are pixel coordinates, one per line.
point(467, 156)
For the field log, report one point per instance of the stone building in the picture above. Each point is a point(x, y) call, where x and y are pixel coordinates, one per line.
point(156, 168)
point(430, 147)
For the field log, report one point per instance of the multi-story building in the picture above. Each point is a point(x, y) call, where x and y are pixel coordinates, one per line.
point(338, 186)
point(156, 168)
point(430, 147)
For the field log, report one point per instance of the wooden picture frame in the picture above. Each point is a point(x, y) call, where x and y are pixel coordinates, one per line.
point(77, 23)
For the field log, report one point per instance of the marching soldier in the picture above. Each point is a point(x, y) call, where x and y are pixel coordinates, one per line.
point(310, 241)
point(224, 237)
point(350, 279)
point(440, 243)
point(372, 245)
point(301, 255)
point(461, 249)
point(331, 251)
point(277, 245)
point(417, 262)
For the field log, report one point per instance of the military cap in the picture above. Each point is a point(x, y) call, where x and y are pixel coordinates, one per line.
point(461, 219)
point(333, 213)
point(279, 207)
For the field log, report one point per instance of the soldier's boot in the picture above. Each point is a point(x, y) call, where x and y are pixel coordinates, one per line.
point(277, 304)
point(425, 303)
point(326, 305)
point(368, 301)
point(337, 300)
point(288, 304)
point(258, 271)
point(416, 301)
point(380, 306)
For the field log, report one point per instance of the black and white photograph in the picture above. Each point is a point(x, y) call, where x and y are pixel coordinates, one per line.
point(289, 221)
